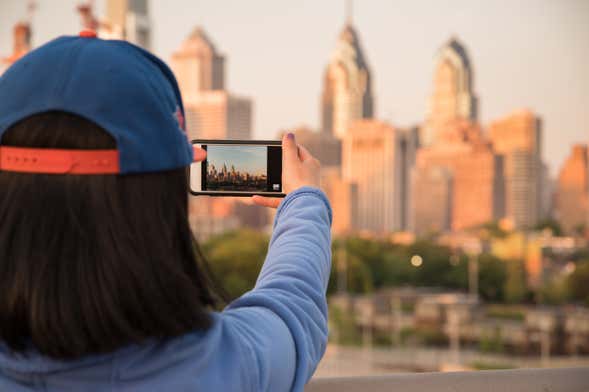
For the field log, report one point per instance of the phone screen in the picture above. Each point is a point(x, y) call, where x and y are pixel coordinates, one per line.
point(238, 169)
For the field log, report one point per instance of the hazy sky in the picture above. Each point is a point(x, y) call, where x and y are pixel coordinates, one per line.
point(526, 53)
point(251, 159)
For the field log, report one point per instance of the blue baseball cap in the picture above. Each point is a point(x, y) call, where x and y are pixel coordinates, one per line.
point(124, 89)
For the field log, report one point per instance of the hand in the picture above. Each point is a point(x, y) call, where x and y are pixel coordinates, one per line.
point(299, 168)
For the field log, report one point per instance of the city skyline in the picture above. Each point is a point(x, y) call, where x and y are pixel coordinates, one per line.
point(250, 159)
point(402, 68)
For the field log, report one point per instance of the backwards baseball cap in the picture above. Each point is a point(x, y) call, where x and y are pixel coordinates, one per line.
point(122, 88)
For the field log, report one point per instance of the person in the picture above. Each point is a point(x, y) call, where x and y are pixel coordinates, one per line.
point(103, 287)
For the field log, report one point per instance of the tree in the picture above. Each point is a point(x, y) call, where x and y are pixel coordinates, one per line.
point(494, 230)
point(550, 224)
point(357, 274)
point(236, 259)
point(555, 291)
point(515, 284)
point(492, 278)
point(579, 229)
point(578, 282)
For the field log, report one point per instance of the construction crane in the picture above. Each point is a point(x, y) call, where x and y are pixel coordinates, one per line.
point(86, 11)
point(21, 36)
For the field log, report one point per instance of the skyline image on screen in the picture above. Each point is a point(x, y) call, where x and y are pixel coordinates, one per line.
point(241, 168)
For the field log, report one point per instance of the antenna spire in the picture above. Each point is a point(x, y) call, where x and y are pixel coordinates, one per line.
point(349, 11)
point(31, 7)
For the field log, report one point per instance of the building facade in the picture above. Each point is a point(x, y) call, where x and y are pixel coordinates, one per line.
point(517, 138)
point(212, 112)
point(372, 160)
point(343, 196)
point(572, 192)
point(198, 65)
point(218, 115)
point(409, 145)
point(453, 94)
point(325, 147)
point(347, 89)
point(476, 174)
point(128, 20)
point(432, 201)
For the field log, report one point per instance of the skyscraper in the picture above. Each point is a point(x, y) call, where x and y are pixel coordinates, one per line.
point(347, 89)
point(217, 114)
point(343, 196)
point(198, 65)
point(453, 96)
point(431, 209)
point(475, 172)
point(326, 148)
point(517, 138)
point(372, 160)
point(211, 111)
point(409, 145)
point(128, 20)
point(572, 193)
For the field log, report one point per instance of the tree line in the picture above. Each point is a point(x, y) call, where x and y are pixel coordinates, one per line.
point(236, 257)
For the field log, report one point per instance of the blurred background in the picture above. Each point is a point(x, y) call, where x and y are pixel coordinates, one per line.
point(453, 140)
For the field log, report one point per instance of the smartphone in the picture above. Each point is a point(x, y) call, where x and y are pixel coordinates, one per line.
point(238, 168)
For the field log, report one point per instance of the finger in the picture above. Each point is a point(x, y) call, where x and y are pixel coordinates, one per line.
point(266, 201)
point(304, 154)
point(289, 148)
point(199, 154)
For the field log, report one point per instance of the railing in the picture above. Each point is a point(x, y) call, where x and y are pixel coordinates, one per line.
point(521, 380)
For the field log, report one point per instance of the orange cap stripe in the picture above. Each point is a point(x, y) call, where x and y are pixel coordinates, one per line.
point(56, 161)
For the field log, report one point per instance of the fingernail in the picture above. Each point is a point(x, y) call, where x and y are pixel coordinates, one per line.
point(290, 136)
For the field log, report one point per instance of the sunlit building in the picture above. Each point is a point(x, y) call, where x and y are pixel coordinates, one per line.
point(453, 96)
point(211, 111)
point(325, 147)
point(218, 114)
point(198, 65)
point(347, 88)
point(432, 200)
point(476, 178)
point(372, 160)
point(210, 216)
point(342, 193)
point(547, 185)
point(343, 196)
point(408, 147)
point(517, 138)
point(572, 192)
point(128, 20)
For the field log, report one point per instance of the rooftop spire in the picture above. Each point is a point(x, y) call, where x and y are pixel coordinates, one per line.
point(349, 11)
point(31, 7)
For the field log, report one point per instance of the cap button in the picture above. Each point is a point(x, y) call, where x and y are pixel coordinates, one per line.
point(88, 34)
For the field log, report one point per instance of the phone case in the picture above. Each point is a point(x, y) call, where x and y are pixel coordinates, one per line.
point(237, 194)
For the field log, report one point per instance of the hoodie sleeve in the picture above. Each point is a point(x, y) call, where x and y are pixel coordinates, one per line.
point(291, 288)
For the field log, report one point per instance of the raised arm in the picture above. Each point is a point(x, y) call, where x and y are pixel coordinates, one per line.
point(293, 282)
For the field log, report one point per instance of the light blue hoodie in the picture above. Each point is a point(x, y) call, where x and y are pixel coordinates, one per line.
point(270, 339)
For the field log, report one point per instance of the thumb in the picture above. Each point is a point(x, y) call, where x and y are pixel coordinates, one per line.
point(289, 149)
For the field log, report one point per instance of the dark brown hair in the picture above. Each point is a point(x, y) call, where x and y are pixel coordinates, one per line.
point(89, 264)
